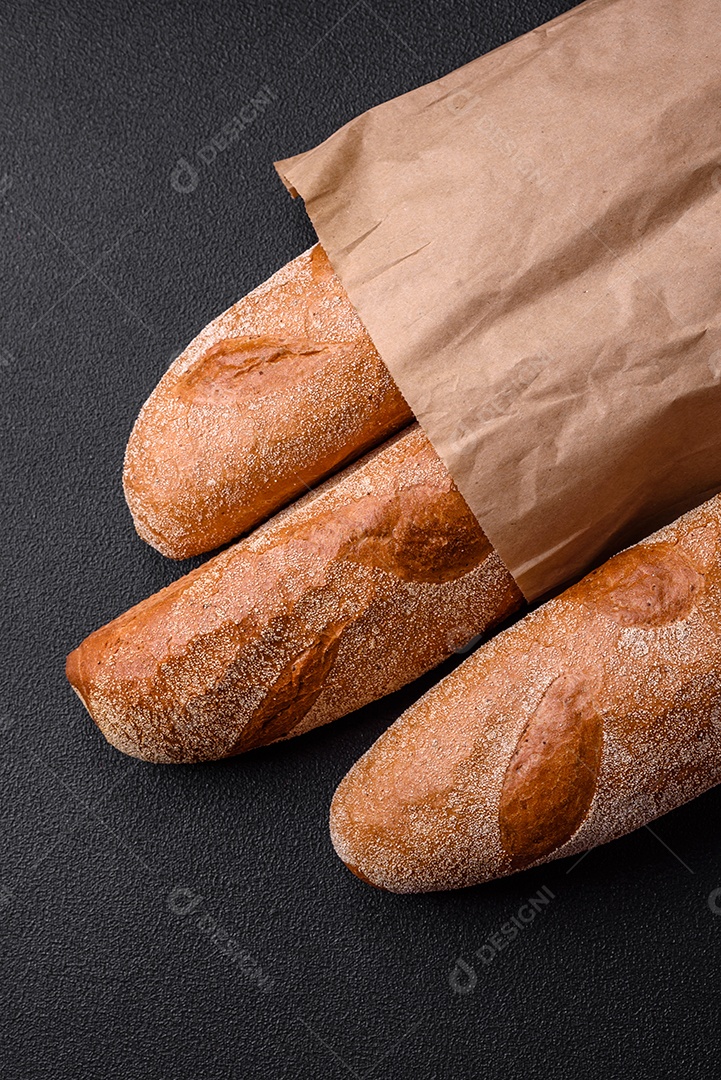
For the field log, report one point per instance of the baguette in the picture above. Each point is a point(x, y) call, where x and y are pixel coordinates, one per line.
point(590, 717)
point(271, 397)
point(345, 596)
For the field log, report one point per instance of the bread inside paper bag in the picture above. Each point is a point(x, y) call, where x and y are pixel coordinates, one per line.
point(534, 244)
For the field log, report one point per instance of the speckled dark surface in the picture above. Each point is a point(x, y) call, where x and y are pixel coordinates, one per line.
point(194, 922)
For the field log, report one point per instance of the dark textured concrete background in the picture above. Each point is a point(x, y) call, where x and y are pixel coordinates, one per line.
point(194, 922)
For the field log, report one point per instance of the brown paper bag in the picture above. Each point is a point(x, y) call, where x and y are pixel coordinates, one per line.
point(534, 243)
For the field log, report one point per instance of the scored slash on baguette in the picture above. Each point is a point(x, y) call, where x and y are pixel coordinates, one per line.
point(347, 595)
point(274, 395)
point(591, 716)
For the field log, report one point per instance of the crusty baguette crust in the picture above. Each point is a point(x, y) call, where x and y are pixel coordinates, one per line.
point(271, 397)
point(588, 718)
point(341, 598)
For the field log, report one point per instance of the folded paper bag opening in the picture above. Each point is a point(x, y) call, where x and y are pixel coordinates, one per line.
point(528, 241)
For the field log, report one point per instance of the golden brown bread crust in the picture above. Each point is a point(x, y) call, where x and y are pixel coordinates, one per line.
point(588, 718)
point(272, 396)
point(343, 597)
point(551, 778)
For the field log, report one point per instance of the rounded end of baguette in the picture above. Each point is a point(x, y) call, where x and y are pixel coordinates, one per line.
point(369, 852)
point(373, 835)
point(366, 880)
point(416, 813)
point(349, 847)
point(85, 668)
point(73, 673)
point(171, 511)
